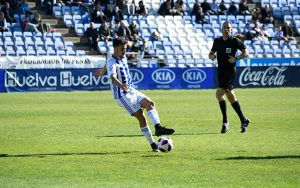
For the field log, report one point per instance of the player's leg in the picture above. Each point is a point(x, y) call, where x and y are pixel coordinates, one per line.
point(149, 105)
point(236, 106)
point(145, 129)
point(222, 103)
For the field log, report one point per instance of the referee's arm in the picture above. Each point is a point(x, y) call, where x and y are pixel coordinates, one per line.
point(212, 55)
point(242, 56)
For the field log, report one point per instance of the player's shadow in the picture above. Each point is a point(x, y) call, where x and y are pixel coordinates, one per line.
point(42, 155)
point(176, 134)
point(261, 157)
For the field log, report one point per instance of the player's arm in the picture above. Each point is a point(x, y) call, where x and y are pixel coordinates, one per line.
point(117, 82)
point(212, 55)
point(100, 72)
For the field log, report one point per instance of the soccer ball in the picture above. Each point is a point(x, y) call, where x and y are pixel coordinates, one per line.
point(165, 144)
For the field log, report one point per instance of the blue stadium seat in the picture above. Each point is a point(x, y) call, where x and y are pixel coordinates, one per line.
point(10, 53)
point(60, 53)
point(30, 52)
point(70, 53)
point(51, 53)
point(79, 29)
point(222, 18)
point(199, 63)
point(57, 37)
point(278, 53)
point(29, 45)
point(49, 45)
point(240, 19)
point(76, 19)
point(274, 3)
point(68, 20)
point(39, 45)
point(181, 63)
point(231, 18)
point(17, 35)
point(296, 53)
point(41, 53)
point(288, 18)
point(277, 12)
point(7, 36)
point(294, 10)
point(66, 10)
point(21, 53)
point(190, 62)
point(269, 53)
point(75, 10)
point(282, 3)
point(38, 37)
point(59, 45)
point(19, 45)
point(286, 53)
point(47, 35)
point(27, 34)
point(213, 19)
point(285, 11)
point(80, 53)
point(57, 11)
point(69, 45)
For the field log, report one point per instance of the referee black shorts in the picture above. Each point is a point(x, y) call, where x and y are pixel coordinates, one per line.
point(226, 79)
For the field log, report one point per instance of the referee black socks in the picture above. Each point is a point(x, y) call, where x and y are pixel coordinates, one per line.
point(236, 106)
point(223, 110)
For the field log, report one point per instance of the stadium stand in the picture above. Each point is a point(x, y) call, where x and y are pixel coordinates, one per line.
point(181, 41)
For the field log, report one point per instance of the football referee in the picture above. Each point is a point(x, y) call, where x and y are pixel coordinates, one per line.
point(225, 49)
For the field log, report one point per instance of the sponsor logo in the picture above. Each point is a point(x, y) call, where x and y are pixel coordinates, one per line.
point(12, 79)
point(194, 76)
point(65, 79)
point(163, 76)
point(272, 76)
point(136, 75)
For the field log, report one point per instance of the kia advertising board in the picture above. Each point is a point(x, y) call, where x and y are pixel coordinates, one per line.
point(173, 78)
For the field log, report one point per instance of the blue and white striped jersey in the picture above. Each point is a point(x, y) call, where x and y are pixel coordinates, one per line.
point(120, 68)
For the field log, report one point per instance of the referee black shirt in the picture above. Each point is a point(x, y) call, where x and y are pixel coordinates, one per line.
point(226, 48)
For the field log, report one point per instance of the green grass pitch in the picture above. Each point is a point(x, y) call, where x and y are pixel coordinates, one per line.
point(84, 139)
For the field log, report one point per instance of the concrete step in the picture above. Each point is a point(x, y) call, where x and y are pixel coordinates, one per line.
point(85, 48)
point(92, 53)
point(75, 40)
point(63, 31)
point(31, 4)
point(52, 22)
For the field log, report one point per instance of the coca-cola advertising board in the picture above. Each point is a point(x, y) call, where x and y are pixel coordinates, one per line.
point(274, 76)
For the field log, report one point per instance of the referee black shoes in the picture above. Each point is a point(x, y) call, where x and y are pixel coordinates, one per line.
point(225, 127)
point(245, 125)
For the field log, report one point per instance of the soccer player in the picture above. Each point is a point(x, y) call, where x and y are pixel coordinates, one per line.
point(128, 97)
point(226, 47)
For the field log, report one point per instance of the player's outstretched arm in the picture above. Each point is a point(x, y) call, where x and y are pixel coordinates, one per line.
point(100, 72)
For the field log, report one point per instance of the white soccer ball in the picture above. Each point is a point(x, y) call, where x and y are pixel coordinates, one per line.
point(165, 144)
